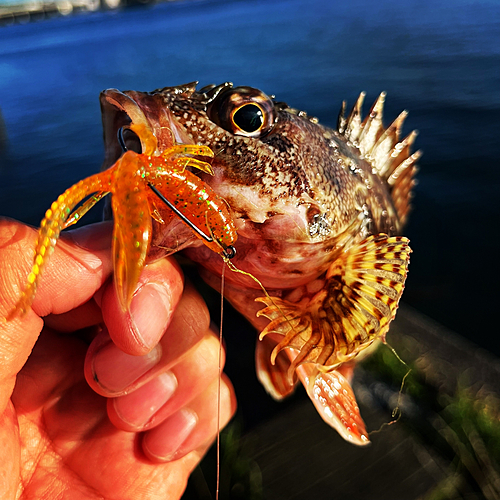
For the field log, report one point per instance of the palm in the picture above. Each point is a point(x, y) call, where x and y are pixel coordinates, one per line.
point(69, 439)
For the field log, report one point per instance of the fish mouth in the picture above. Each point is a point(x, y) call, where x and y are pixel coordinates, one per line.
point(122, 109)
point(148, 112)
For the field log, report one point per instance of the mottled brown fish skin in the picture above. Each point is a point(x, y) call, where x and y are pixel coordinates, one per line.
point(299, 162)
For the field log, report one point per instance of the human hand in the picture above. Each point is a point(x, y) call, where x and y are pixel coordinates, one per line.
point(150, 412)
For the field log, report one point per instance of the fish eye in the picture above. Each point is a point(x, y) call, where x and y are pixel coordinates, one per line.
point(248, 118)
point(243, 111)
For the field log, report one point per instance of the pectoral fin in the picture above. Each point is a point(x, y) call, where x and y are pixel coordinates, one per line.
point(273, 376)
point(359, 299)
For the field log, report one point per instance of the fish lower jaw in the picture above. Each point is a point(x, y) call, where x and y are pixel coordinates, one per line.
point(273, 264)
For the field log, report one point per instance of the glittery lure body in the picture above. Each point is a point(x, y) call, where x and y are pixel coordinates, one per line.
point(130, 180)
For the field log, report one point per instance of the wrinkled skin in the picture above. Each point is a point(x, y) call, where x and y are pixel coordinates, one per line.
point(64, 436)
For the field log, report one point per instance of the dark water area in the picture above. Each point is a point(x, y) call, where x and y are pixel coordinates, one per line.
point(439, 59)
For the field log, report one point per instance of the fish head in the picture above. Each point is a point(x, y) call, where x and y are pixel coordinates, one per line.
point(289, 181)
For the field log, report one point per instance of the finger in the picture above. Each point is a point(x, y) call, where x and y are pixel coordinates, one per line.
point(82, 255)
point(169, 391)
point(88, 314)
point(112, 372)
point(193, 426)
point(158, 292)
point(79, 266)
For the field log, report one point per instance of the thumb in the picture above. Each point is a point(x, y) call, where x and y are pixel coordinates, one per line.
point(78, 267)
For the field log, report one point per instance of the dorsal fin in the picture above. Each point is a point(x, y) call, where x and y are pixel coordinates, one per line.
point(382, 148)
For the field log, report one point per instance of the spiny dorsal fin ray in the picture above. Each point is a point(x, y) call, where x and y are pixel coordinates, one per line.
point(402, 181)
point(382, 148)
point(341, 120)
point(372, 127)
point(353, 123)
point(382, 152)
point(358, 301)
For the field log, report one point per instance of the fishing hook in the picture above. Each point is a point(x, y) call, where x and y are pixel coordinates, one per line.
point(229, 252)
point(121, 140)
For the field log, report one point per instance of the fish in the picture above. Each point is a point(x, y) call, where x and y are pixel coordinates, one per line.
point(309, 218)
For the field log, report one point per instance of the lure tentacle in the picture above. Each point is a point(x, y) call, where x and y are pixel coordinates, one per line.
point(77, 214)
point(132, 228)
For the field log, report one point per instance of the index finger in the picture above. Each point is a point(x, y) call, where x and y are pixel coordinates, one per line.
point(79, 266)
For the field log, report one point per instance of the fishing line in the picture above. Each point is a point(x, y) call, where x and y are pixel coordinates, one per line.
point(219, 382)
point(233, 268)
point(396, 412)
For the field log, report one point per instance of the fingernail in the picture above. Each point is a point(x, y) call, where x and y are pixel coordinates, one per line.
point(115, 370)
point(139, 407)
point(164, 442)
point(151, 310)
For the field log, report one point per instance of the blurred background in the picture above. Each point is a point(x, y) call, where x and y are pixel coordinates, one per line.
point(439, 59)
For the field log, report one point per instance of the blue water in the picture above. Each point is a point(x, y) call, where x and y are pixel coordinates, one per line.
point(440, 59)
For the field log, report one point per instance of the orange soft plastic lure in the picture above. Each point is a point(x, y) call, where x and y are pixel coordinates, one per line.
point(129, 180)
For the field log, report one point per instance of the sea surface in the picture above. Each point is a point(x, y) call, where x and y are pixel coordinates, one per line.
point(440, 59)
